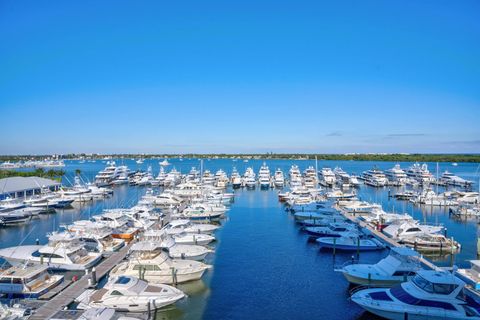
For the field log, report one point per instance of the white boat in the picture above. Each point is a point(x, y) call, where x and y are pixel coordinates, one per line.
point(185, 225)
point(338, 229)
point(431, 243)
point(264, 176)
point(396, 175)
point(375, 178)
point(59, 256)
point(15, 217)
point(328, 178)
point(249, 178)
point(15, 312)
point(10, 204)
point(429, 197)
point(449, 178)
point(431, 294)
point(175, 251)
point(158, 267)
point(164, 163)
point(409, 229)
point(235, 179)
point(192, 238)
point(278, 178)
point(350, 242)
point(420, 173)
point(203, 212)
point(130, 294)
point(27, 281)
point(361, 207)
point(400, 265)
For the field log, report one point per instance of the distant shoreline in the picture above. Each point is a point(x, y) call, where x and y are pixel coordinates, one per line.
point(400, 157)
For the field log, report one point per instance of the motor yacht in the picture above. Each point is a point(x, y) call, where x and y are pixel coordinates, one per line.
point(333, 230)
point(431, 294)
point(451, 179)
point(264, 176)
point(350, 242)
point(249, 178)
point(375, 178)
point(410, 228)
point(278, 178)
point(327, 177)
point(400, 265)
point(396, 175)
point(185, 225)
point(15, 217)
point(58, 254)
point(235, 179)
point(158, 267)
point(431, 243)
point(130, 294)
point(420, 173)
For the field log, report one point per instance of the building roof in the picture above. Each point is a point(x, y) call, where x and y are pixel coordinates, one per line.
point(17, 184)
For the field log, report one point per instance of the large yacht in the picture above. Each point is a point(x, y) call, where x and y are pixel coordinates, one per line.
point(396, 175)
point(327, 177)
point(431, 294)
point(235, 179)
point(420, 173)
point(278, 179)
point(264, 176)
point(249, 178)
point(375, 177)
point(449, 178)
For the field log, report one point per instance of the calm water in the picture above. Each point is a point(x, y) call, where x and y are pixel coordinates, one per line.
point(264, 266)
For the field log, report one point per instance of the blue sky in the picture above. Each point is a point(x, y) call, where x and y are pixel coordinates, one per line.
point(239, 76)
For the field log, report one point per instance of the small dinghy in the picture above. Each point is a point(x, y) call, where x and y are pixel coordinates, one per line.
point(350, 242)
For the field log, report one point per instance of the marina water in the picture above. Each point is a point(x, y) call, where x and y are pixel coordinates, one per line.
point(264, 267)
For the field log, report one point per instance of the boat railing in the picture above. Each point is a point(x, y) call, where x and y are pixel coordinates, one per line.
point(339, 267)
point(357, 288)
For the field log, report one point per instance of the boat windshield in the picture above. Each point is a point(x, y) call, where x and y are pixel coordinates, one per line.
point(438, 288)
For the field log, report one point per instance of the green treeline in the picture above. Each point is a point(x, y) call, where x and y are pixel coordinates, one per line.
point(50, 174)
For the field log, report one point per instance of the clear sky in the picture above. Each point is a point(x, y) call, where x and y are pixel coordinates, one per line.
point(239, 76)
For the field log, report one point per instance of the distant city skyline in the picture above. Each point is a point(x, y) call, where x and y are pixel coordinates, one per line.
point(239, 77)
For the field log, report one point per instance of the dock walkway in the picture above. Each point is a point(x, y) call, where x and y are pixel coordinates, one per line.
point(67, 296)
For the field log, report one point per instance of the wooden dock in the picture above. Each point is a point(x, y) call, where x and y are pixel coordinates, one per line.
point(391, 242)
point(66, 297)
point(53, 292)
